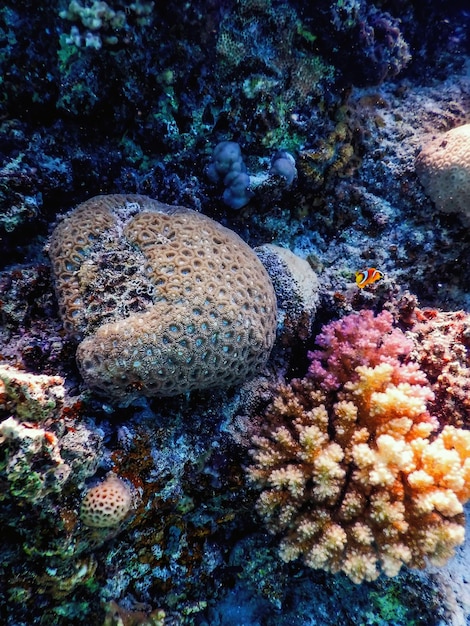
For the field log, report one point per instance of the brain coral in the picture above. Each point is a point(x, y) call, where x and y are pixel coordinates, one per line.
point(443, 167)
point(354, 472)
point(164, 299)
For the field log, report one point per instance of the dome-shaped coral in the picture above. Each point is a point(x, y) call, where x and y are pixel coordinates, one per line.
point(165, 299)
point(107, 504)
point(443, 167)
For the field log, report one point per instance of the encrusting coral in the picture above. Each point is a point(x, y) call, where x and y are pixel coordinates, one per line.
point(34, 397)
point(42, 450)
point(353, 469)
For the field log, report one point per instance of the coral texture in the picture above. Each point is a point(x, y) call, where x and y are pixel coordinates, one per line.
point(443, 167)
point(442, 349)
point(106, 504)
point(353, 470)
point(22, 448)
point(297, 289)
point(104, 18)
point(165, 299)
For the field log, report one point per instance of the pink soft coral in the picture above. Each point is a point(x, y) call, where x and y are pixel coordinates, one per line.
point(359, 339)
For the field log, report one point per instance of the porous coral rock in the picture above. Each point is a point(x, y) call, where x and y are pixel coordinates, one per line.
point(165, 299)
point(442, 350)
point(104, 21)
point(23, 444)
point(32, 397)
point(354, 472)
point(443, 167)
point(377, 47)
point(24, 447)
point(41, 446)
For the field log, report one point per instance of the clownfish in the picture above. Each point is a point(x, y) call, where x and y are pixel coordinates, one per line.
point(368, 276)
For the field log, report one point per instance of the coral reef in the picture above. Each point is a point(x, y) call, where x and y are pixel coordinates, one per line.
point(19, 199)
point(46, 455)
point(168, 300)
point(443, 167)
point(381, 44)
point(22, 446)
point(32, 397)
point(41, 450)
point(353, 469)
point(130, 97)
point(102, 22)
point(268, 57)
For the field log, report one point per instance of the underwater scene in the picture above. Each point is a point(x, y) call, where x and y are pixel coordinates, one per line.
point(235, 313)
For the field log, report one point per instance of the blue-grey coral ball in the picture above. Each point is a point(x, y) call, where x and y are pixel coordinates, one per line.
point(227, 165)
point(238, 193)
point(283, 164)
point(227, 156)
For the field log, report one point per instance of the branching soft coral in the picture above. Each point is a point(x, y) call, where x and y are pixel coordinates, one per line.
point(359, 339)
point(442, 350)
point(352, 469)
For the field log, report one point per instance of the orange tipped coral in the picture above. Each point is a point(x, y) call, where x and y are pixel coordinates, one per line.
point(355, 474)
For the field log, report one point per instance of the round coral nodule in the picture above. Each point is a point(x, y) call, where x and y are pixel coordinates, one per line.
point(443, 167)
point(106, 505)
point(164, 300)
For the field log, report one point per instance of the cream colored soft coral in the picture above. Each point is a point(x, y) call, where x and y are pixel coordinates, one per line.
point(363, 484)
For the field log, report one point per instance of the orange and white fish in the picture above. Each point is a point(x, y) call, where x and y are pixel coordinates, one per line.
point(368, 276)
